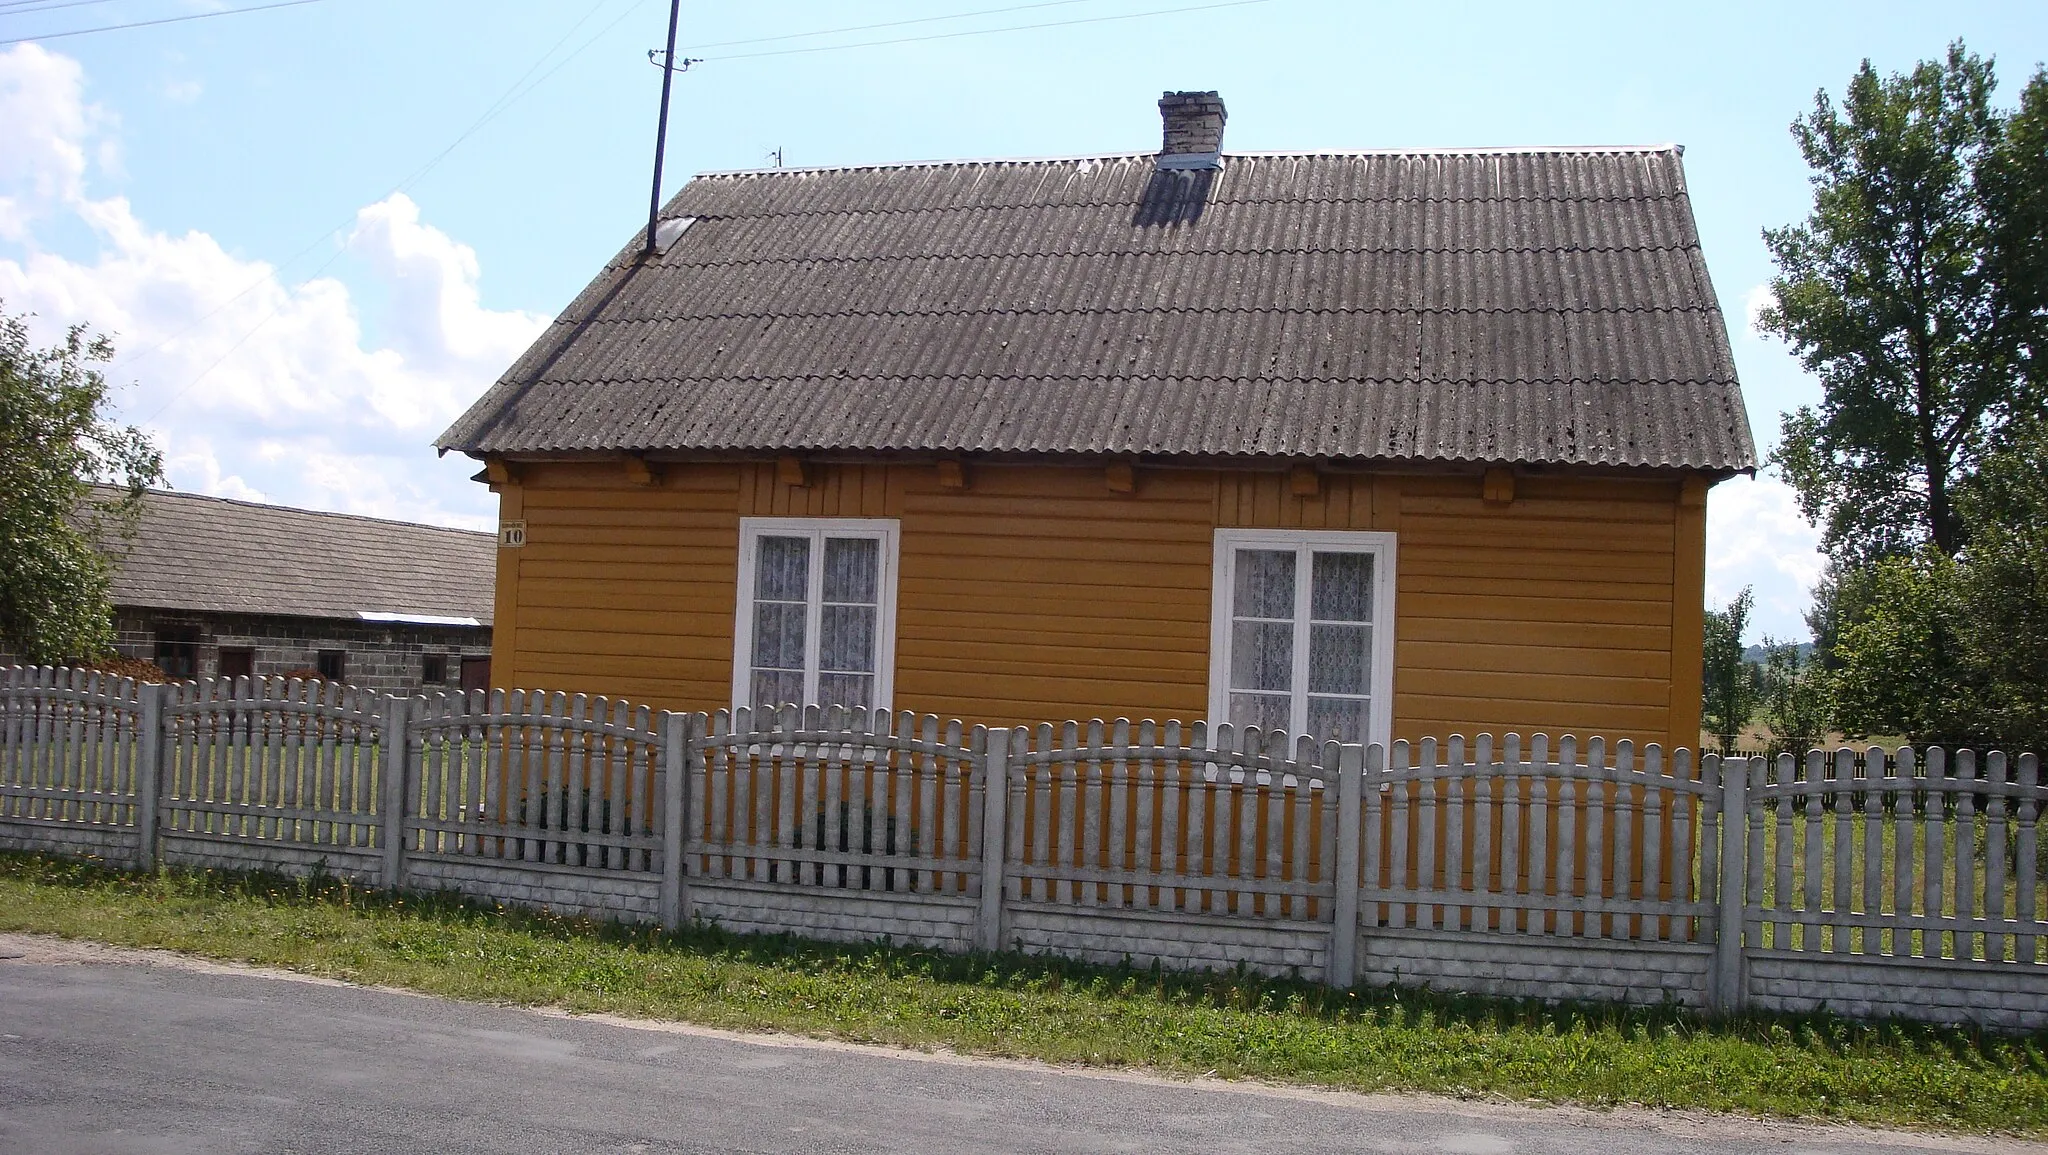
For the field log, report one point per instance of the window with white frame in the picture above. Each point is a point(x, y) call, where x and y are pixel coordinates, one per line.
point(1301, 634)
point(817, 607)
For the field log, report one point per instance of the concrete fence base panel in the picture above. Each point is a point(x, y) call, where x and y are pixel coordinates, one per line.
point(1269, 947)
point(1529, 967)
point(1872, 884)
point(117, 845)
point(941, 922)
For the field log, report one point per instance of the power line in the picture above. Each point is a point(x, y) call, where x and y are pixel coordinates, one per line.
point(161, 20)
point(989, 31)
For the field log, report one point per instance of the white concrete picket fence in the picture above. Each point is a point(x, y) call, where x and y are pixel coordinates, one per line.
point(1873, 883)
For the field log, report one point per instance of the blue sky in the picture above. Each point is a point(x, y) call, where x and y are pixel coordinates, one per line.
point(301, 307)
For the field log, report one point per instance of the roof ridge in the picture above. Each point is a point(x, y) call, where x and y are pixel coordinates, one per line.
point(1253, 154)
point(271, 506)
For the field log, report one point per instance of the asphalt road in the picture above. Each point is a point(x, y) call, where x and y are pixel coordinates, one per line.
point(118, 1052)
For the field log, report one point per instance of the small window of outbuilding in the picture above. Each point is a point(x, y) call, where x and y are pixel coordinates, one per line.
point(237, 661)
point(177, 651)
point(333, 665)
point(433, 669)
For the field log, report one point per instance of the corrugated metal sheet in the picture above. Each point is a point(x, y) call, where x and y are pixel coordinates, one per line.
point(1544, 306)
point(219, 556)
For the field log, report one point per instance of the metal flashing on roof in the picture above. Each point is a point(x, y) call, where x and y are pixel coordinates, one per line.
point(419, 619)
point(669, 231)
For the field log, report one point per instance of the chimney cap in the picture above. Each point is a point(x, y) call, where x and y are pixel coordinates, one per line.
point(1192, 124)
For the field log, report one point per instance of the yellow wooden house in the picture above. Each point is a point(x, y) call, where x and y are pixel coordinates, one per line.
point(1368, 444)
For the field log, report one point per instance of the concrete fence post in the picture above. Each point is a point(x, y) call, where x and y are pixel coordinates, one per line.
point(1728, 985)
point(149, 773)
point(995, 838)
point(397, 751)
point(1344, 924)
point(677, 732)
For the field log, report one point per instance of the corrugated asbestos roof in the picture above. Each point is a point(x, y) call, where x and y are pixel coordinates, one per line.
point(1538, 306)
point(214, 555)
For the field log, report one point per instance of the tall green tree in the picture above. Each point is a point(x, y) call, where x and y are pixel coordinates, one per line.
point(1793, 697)
point(55, 441)
point(1914, 292)
point(1728, 685)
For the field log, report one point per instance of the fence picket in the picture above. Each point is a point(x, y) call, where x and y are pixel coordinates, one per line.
point(2028, 807)
point(1965, 847)
point(1563, 871)
point(1996, 807)
point(1425, 790)
point(1401, 759)
point(1901, 774)
point(1932, 850)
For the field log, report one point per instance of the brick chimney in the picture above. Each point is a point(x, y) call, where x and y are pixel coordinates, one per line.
point(1194, 130)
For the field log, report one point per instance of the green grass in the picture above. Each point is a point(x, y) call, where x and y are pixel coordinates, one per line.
point(1233, 1025)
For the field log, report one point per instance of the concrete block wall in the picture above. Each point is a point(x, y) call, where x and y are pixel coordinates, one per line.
point(386, 657)
point(1537, 966)
point(943, 922)
point(2004, 996)
point(603, 894)
point(116, 844)
point(1275, 947)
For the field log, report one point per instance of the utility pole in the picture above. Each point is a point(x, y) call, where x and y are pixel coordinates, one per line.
point(668, 75)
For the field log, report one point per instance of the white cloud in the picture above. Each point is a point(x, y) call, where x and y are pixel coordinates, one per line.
point(1756, 537)
point(256, 387)
point(46, 132)
point(183, 91)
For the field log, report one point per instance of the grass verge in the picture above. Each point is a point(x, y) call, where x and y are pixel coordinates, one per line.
point(1237, 1026)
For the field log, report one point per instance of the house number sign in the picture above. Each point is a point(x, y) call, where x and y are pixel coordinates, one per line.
point(512, 534)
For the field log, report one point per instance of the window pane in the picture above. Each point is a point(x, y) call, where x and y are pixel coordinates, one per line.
point(852, 567)
point(782, 568)
point(1341, 587)
point(1264, 584)
point(846, 639)
point(1337, 719)
point(779, 635)
point(1261, 656)
point(845, 689)
point(1339, 659)
point(1266, 711)
point(774, 688)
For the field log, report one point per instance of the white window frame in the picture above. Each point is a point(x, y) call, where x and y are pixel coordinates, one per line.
point(883, 529)
point(1380, 719)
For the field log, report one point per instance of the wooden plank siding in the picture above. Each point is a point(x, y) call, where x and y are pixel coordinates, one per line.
point(1038, 593)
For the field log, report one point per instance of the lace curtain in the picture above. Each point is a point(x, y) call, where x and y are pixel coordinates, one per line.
point(1267, 620)
point(844, 589)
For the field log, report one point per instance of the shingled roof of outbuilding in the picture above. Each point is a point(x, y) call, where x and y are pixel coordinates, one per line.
point(1466, 306)
point(214, 555)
